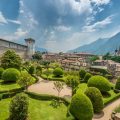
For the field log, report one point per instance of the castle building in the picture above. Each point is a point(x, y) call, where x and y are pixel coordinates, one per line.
point(25, 51)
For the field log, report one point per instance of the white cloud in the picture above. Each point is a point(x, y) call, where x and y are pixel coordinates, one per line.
point(62, 28)
point(101, 2)
point(2, 19)
point(97, 25)
point(14, 21)
point(20, 32)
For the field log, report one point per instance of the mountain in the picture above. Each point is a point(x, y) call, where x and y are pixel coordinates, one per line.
point(100, 46)
point(40, 49)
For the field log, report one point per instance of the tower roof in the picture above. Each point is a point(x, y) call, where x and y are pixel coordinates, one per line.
point(30, 40)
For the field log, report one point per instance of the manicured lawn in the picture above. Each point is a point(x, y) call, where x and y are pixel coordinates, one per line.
point(38, 110)
point(8, 86)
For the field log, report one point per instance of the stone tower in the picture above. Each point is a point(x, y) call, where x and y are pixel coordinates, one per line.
point(31, 47)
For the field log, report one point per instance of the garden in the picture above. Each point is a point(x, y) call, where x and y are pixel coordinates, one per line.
point(90, 93)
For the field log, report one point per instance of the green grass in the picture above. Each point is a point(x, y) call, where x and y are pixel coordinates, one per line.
point(38, 110)
point(8, 86)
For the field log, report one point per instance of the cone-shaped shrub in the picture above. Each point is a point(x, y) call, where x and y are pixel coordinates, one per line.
point(81, 107)
point(96, 98)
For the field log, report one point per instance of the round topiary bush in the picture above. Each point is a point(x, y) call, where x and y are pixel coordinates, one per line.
point(81, 107)
point(19, 107)
point(96, 98)
point(10, 75)
point(117, 85)
point(1, 71)
point(99, 82)
point(87, 77)
point(58, 72)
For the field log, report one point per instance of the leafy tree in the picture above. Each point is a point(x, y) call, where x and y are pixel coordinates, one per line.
point(25, 80)
point(32, 70)
point(47, 72)
point(58, 86)
point(94, 58)
point(87, 77)
point(37, 56)
point(19, 107)
point(82, 73)
point(73, 82)
point(11, 60)
point(107, 56)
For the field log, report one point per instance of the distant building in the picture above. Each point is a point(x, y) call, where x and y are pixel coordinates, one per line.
point(25, 51)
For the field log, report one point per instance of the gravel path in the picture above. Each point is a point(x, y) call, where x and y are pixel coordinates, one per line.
point(108, 110)
point(47, 87)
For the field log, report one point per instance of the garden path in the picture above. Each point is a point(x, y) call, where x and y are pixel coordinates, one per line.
point(47, 87)
point(108, 110)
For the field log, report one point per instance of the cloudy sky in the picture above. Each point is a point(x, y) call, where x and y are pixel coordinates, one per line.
point(59, 25)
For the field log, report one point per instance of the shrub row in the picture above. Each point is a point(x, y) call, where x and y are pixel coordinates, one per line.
point(112, 99)
point(13, 90)
point(47, 97)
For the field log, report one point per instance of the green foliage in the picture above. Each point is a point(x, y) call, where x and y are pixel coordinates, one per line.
point(37, 56)
point(82, 73)
point(87, 77)
point(72, 81)
point(94, 58)
point(99, 82)
point(19, 107)
point(81, 107)
point(38, 70)
point(58, 72)
point(11, 60)
point(117, 85)
point(32, 70)
point(1, 71)
point(96, 98)
point(26, 79)
point(11, 75)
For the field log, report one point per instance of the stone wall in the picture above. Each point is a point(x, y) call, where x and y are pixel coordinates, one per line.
point(22, 53)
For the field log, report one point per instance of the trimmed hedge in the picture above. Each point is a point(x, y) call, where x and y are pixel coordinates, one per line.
point(96, 98)
point(47, 97)
point(99, 82)
point(11, 75)
point(81, 107)
point(112, 99)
